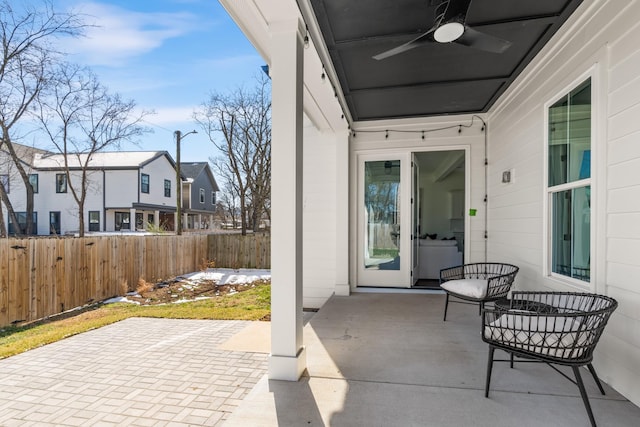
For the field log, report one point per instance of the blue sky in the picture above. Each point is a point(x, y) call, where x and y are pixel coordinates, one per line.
point(167, 55)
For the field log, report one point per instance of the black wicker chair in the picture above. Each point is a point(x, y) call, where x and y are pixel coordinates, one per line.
point(556, 328)
point(477, 283)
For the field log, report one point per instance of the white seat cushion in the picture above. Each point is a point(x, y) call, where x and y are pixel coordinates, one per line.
point(555, 336)
point(473, 288)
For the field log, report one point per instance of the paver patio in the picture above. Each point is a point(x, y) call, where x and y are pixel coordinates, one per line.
point(139, 372)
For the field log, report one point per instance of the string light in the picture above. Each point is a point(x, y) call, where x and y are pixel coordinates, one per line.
point(423, 132)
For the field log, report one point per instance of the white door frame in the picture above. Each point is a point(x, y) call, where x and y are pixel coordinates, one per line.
point(386, 278)
point(400, 278)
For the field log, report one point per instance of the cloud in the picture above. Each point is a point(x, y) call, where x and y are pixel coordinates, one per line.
point(118, 34)
point(166, 116)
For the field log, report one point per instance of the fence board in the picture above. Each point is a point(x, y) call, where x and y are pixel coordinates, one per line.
point(41, 277)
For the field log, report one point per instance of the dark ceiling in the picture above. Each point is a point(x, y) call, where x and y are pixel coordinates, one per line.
point(434, 78)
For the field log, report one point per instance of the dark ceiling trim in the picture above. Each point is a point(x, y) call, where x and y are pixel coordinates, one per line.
point(437, 83)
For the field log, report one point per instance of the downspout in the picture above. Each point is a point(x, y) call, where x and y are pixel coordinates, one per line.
point(104, 200)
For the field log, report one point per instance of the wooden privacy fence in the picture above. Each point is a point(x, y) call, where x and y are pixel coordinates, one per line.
point(46, 276)
point(237, 251)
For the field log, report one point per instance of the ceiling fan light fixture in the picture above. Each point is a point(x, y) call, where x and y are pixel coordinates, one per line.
point(448, 32)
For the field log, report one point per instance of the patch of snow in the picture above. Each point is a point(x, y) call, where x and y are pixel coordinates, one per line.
point(229, 276)
point(119, 299)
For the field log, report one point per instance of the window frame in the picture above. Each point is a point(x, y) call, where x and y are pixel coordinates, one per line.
point(202, 197)
point(578, 183)
point(5, 181)
point(36, 180)
point(22, 220)
point(144, 184)
point(167, 188)
point(213, 198)
point(59, 189)
point(91, 222)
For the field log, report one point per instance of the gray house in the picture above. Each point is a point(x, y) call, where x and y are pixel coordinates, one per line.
point(199, 189)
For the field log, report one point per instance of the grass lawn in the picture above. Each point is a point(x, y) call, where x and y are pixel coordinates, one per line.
point(252, 304)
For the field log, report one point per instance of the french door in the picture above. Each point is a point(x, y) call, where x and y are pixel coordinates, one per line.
point(384, 220)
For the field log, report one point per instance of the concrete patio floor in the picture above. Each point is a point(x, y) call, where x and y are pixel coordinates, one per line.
point(390, 360)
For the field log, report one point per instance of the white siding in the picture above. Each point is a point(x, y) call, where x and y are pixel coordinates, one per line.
point(319, 224)
point(47, 200)
point(122, 188)
point(159, 170)
point(603, 36)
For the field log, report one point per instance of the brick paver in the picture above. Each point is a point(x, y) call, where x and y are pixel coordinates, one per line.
point(140, 372)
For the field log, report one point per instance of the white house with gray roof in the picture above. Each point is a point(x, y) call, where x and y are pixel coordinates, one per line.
point(127, 190)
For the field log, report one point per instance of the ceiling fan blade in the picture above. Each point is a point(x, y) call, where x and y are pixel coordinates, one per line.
point(483, 41)
point(418, 41)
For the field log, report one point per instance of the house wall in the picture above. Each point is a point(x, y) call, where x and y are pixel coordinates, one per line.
point(370, 137)
point(202, 181)
point(123, 186)
point(600, 39)
point(47, 200)
point(319, 220)
point(158, 170)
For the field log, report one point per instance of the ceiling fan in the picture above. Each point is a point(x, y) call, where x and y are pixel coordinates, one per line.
point(450, 27)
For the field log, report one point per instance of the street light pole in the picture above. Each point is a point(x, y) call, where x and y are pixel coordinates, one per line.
point(179, 137)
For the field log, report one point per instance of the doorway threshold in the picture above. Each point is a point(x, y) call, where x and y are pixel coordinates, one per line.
point(379, 290)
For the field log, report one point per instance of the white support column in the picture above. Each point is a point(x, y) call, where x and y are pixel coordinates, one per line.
point(132, 219)
point(288, 359)
point(199, 221)
point(156, 218)
point(185, 221)
point(342, 214)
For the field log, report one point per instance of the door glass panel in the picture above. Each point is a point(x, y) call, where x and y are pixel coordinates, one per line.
point(382, 215)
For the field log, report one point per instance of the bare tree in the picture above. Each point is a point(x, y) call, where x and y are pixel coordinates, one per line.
point(239, 126)
point(26, 60)
point(81, 118)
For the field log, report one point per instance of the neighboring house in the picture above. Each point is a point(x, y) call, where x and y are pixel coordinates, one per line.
point(126, 191)
point(558, 161)
point(12, 182)
point(199, 190)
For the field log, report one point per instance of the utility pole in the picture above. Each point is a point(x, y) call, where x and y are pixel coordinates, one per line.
point(179, 137)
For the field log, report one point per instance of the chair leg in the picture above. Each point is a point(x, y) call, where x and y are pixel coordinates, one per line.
point(489, 369)
point(480, 308)
point(595, 377)
point(446, 305)
point(511, 360)
point(583, 393)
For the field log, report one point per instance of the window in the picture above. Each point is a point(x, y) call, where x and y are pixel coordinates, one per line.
point(122, 221)
point(94, 220)
point(167, 188)
point(33, 180)
point(61, 183)
point(202, 195)
point(4, 180)
point(54, 223)
point(22, 223)
point(144, 183)
point(569, 183)
point(213, 198)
